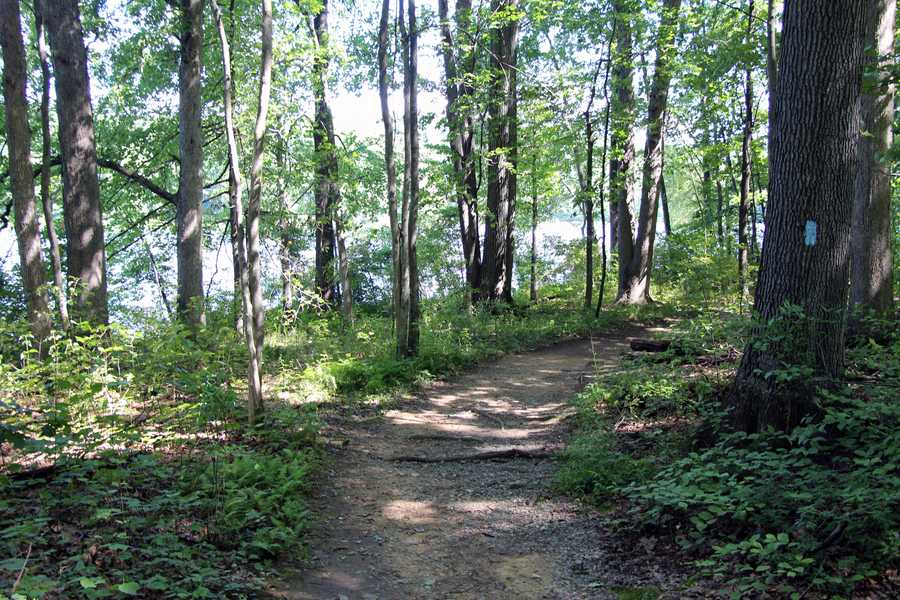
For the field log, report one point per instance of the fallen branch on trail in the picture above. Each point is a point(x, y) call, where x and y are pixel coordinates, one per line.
point(439, 437)
point(506, 454)
point(644, 345)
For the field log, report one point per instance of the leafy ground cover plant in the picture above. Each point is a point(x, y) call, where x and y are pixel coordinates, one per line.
point(811, 512)
point(129, 470)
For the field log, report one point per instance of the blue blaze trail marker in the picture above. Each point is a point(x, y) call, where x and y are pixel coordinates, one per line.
point(810, 233)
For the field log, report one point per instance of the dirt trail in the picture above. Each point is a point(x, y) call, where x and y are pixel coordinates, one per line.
point(472, 529)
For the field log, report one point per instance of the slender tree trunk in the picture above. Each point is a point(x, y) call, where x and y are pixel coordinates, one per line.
point(46, 155)
point(344, 271)
point(189, 217)
point(287, 275)
point(285, 243)
point(871, 285)
point(622, 137)
point(532, 295)
point(806, 251)
point(254, 376)
point(157, 279)
point(772, 84)
point(254, 276)
point(389, 167)
point(603, 155)
point(461, 135)
point(635, 280)
point(85, 251)
point(720, 213)
point(327, 191)
point(237, 266)
point(18, 138)
point(743, 241)
point(498, 258)
point(407, 319)
point(771, 59)
point(664, 198)
point(589, 234)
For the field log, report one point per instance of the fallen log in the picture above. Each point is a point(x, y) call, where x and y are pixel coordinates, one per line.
point(644, 345)
point(508, 453)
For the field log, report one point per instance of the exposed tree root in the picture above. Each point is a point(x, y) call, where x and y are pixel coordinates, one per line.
point(508, 453)
point(645, 345)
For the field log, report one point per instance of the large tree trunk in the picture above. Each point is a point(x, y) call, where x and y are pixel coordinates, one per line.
point(459, 122)
point(254, 375)
point(806, 250)
point(634, 282)
point(743, 208)
point(389, 167)
point(18, 138)
point(872, 260)
point(254, 276)
point(189, 217)
point(327, 191)
point(498, 252)
point(622, 125)
point(407, 318)
point(85, 251)
point(46, 156)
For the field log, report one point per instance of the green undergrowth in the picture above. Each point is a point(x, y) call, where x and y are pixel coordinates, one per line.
point(127, 466)
point(322, 358)
point(128, 470)
point(812, 513)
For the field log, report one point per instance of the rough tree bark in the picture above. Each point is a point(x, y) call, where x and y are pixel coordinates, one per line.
point(59, 280)
point(254, 377)
point(634, 273)
point(189, 214)
point(85, 251)
point(389, 166)
point(327, 194)
point(459, 66)
point(18, 139)
point(496, 283)
point(744, 206)
point(806, 250)
point(872, 259)
point(622, 117)
point(254, 265)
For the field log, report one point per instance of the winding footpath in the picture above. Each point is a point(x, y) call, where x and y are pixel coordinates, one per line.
point(467, 512)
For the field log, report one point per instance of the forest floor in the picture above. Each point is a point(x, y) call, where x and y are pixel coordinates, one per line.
point(394, 525)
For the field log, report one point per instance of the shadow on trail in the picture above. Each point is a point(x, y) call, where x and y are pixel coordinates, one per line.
point(468, 528)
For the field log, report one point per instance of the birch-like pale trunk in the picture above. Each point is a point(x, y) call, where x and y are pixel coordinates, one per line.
point(254, 376)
